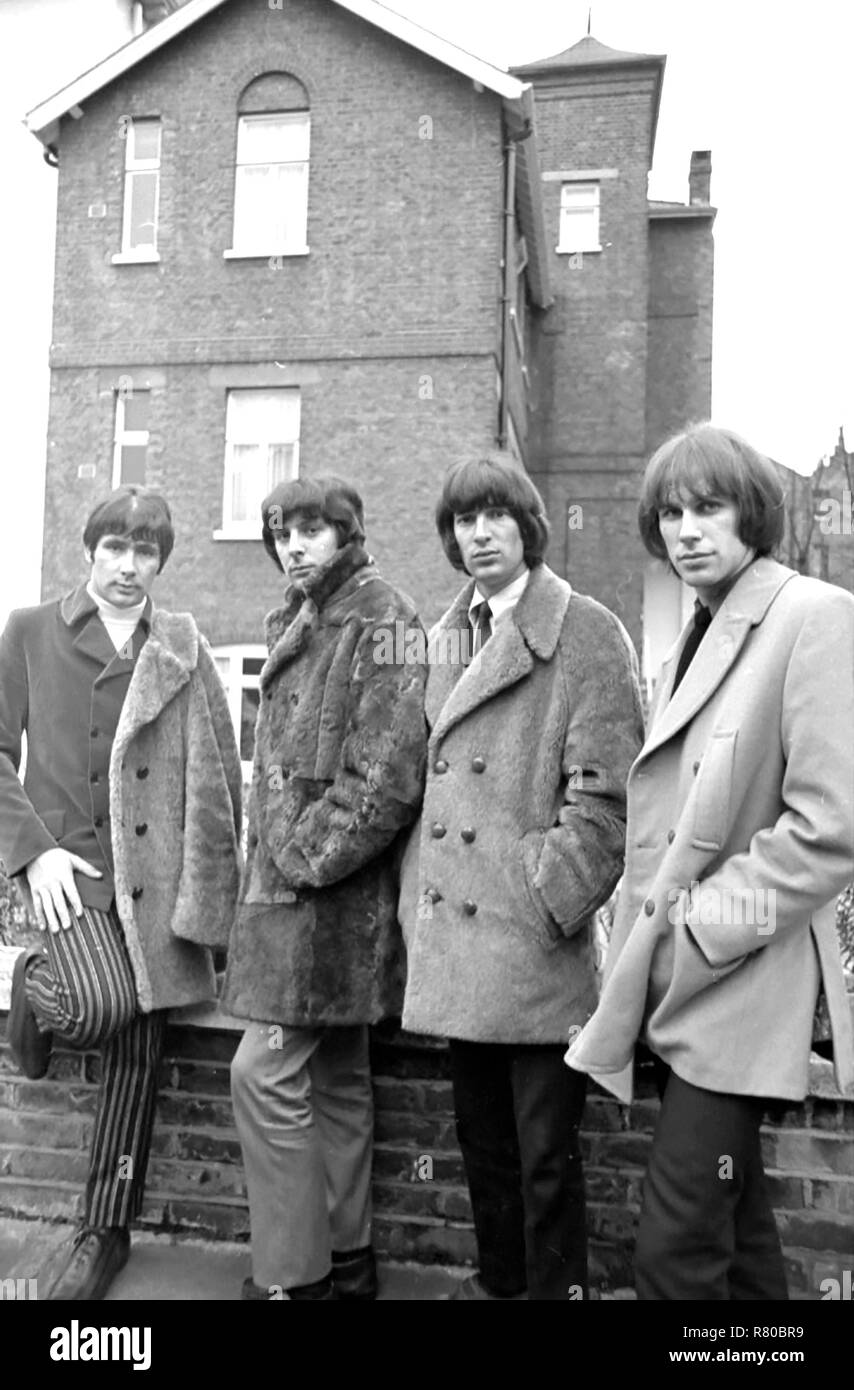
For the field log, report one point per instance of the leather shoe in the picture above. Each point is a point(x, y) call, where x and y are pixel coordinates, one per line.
point(323, 1289)
point(30, 1047)
point(97, 1254)
point(354, 1274)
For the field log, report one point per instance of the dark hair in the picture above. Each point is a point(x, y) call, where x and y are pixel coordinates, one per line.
point(337, 502)
point(493, 480)
point(135, 512)
point(704, 462)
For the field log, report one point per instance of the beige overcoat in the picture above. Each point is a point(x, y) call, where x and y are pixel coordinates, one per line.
point(741, 804)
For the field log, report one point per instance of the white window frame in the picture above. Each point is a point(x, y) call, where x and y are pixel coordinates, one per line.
point(244, 247)
point(229, 663)
point(250, 528)
point(578, 227)
point(123, 438)
point(145, 252)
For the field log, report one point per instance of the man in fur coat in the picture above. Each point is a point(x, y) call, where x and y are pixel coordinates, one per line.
point(520, 841)
point(316, 952)
point(124, 835)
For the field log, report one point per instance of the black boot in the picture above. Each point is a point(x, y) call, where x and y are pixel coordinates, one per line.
point(354, 1274)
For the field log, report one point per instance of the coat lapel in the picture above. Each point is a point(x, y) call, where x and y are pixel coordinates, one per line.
point(531, 630)
point(743, 608)
point(162, 669)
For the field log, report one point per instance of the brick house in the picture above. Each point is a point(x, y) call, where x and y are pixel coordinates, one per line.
point(310, 235)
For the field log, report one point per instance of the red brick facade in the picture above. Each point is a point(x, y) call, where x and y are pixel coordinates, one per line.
point(391, 326)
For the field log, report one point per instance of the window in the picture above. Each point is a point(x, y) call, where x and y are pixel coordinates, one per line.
point(142, 192)
point(261, 450)
point(579, 217)
point(271, 185)
point(130, 442)
point(240, 668)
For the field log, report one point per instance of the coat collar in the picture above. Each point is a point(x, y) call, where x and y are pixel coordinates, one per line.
point(77, 610)
point(530, 632)
point(163, 668)
point(744, 607)
point(327, 591)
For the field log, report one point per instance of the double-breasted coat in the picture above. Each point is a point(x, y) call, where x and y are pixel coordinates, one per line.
point(740, 836)
point(522, 831)
point(157, 808)
point(338, 771)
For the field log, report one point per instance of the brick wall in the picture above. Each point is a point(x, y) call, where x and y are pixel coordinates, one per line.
point(389, 326)
point(422, 1212)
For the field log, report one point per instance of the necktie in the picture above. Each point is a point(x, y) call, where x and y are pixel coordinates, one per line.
point(482, 614)
point(702, 618)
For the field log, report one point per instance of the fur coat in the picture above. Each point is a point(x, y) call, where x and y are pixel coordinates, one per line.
point(740, 836)
point(175, 794)
point(338, 772)
point(522, 832)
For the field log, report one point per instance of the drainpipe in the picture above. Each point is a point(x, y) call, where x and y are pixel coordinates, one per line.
point(506, 298)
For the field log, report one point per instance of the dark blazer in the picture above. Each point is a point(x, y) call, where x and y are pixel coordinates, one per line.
point(63, 682)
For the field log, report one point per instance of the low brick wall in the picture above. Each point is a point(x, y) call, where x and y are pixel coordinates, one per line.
point(422, 1212)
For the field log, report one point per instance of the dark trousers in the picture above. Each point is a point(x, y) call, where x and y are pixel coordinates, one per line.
point(518, 1110)
point(707, 1230)
point(82, 989)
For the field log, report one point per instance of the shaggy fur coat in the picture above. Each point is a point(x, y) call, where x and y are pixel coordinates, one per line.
point(339, 768)
point(523, 827)
point(175, 770)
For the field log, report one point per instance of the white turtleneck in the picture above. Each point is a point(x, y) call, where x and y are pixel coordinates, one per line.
point(121, 623)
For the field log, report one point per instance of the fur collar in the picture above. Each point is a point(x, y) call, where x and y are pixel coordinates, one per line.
point(538, 615)
point(288, 628)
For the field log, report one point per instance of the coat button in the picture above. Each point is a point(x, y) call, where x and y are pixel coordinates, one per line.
point(468, 834)
point(671, 836)
point(478, 765)
point(93, 733)
point(142, 773)
point(94, 777)
point(649, 907)
point(437, 830)
point(136, 893)
point(441, 766)
point(98, 822)
point(696, 768)
point(141, 829)
point(469, 908)
point(433, 895)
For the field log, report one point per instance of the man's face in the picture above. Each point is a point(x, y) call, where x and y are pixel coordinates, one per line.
point(702, 540)
point(304, 543)
point(123, 569)
point(491, 547)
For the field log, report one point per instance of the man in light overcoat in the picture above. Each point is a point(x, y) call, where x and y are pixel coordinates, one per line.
point(740, 836)
point(534, 715)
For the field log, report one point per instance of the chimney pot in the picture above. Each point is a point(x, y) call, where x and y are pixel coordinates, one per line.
point(700, 178)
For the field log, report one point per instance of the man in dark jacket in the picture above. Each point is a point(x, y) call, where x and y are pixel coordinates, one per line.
point(316, 953)
point(124, 837)
point(534, 715)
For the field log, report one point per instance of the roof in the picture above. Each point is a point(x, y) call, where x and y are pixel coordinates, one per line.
point(588, 52)
point(41, 121)
point(662, 210)
point(589, 55)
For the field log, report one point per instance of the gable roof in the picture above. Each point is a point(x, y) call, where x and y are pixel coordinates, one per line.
point(516, 96)
point(42, 119)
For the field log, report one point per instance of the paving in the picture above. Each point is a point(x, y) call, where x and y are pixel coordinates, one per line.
point(164, 1267)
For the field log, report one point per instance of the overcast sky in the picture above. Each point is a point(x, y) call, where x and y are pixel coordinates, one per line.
point(764, 84)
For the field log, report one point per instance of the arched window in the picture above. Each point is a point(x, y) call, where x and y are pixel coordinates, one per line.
point(271, 174)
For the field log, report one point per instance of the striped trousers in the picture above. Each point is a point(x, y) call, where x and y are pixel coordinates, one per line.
point(82, 989)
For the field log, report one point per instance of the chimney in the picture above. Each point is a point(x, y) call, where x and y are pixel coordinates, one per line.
point(152, 11)
point(700, 177)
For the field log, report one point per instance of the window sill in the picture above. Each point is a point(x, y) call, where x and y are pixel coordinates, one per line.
point(232, 255)
point(135, 257)
point(578, 251)
point(227, 533)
